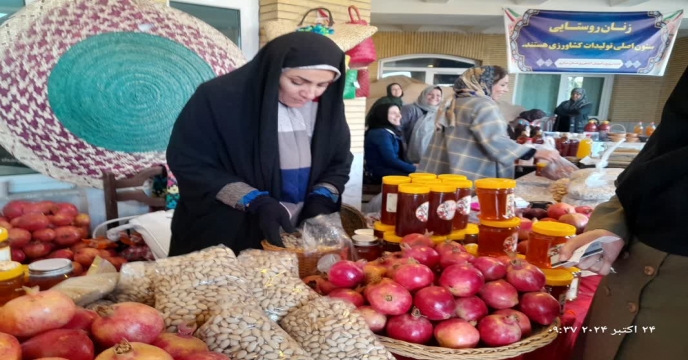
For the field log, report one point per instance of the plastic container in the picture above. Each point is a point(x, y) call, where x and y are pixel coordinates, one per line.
point(650, 129)
point(391, 242)
point(442, 208)
point(497, 238)
point(464, 190)
point(422, 175)
point(541, 165)
point(367, 247)
point(379, 229)
point(11, 280)
point(47, 273)
point(5, 252)
point(451, 177)
point(369, 232)
point(638, 129)
point(544, 237)
point(557, 284)
point(584, 148)
point(496, 197)
point(390, 190)
point(412, 209)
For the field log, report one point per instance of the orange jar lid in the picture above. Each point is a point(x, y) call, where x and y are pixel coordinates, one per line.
point(558, 277)
point(451, 177)
point(395, 180)
point(460, 184)
point(443, 188)
point(551, 228)
point(390, 236)
point(457, 235)
point(379, 226)
point(417, 189)
point(495, 183)
point(472, 229)
point(506, 224)
point(425, 175)
point(472, 249)
point(10, 270)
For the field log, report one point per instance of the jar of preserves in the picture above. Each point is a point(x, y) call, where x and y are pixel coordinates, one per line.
point(541, 165)
point(557, 284)
point(47, 273)
point(391, 242)
point(464, 189)
point(572, 294)
point(390, 190)
point(5, 252)
point(458, 236)
point(366, 231)
point(412, 210)
point(498, 238)
point(11, 280)
point(450, 177)
point(471, 232)
point(544, 238)
point(496, 198)
point(379, 229)
point(367, 247)
point(442, 208)
point(422, 175)
point(438, 239)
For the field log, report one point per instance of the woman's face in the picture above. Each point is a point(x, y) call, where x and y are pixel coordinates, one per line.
point(500, 88)
point(434, 97)
point(576, 96)
point(299, 86)
point(394, 115)
point(396, 90)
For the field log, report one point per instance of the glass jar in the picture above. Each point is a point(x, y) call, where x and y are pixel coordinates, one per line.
point(47, 273)
point(541, 165)
point(572, 294)
point(390, 190)
point(412, 211)
point(391, 242)
point(557, 284)
point(366, 231)
point(367, 247)
point(472, 232)
point(5, 252)
point(442, 208)
point(544, 238)
point(498, 238)
point(450, 177)
point(379, 229)
point(464, 190)
point(496, 197)
point(11, 280)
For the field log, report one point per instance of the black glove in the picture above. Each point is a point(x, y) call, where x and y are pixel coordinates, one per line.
point(318, 205)
point(271, 216)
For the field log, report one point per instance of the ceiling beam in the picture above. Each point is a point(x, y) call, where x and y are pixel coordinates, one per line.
point(529, 2)
point(626, 2)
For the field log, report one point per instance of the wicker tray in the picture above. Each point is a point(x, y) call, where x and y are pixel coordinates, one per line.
point(542, 337)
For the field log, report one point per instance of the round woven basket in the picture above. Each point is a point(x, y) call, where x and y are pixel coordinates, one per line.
point(542, 337)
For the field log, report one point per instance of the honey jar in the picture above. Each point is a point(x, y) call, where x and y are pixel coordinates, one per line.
point(11, 280)
point(367, 247)
point(50, 272)
point(497, 199)
point(442, 209)
point(391, 242)
point(422, 175)
point(544, 238)
point(497, 238)
point(379, 229)
point(469, 235)
point(450, 177)
point(557, 284)
point(412, 211)
point(390, 190)
point(463, 202)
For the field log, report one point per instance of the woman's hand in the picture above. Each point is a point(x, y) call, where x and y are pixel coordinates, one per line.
point(547, 155)
point(272, 216)
point(600, 264)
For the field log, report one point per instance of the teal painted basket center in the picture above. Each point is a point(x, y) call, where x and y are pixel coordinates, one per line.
point(123, 91)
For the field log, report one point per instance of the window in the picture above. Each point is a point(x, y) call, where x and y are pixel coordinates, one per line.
point(442, 70)
point(547, 91)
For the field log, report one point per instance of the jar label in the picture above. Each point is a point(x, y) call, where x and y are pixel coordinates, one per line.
point(422, 212)
point(572, 294)
point(5, 254)
point(464, 205)
point(510, 244)
point(447, 210)
point(391, 203)
point(510, 206)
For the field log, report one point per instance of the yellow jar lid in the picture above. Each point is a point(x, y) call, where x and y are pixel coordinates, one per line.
point(417, 189)
point(495, 183)
point(390, 236)
point(472, 229)
point(438, 238)
point(551, 228)
point(379, 226)
point(395, 180)
point(424, 180)
point(574, 269)
point(457, 235)
point(425, 175)
point(4, 234)
point(558, 277)
point(443, 188)
point(472, 249)
point(521, 256)
point(10, 270)
point(460, 184)
point(542, 164)
point(514, 222)
point(451, 177)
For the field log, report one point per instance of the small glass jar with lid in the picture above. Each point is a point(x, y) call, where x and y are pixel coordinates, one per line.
point(497, 199)
point(379, 229)
point(450, 177)
point(413, 207)
point(543, 240)
point(367, 247)
point(442, 208)
point(47, 273)
point(464, 189)
point(557, 284)
point(390, 191)
point(11, 280)
point(497, 238)
point(5, 252)
point(391, 242)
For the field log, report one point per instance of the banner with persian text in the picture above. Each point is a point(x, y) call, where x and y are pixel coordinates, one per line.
point(590, 42)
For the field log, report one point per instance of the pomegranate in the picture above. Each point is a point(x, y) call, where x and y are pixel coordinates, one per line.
point(414, 276)
point(65, 208)
point(182, 343)
point(37, 249)
point(390, 260)
point(9, 347)
point(128, 320)
point(376, 321)
point(414, 240)
point(36, 312)
point(41, 207)
point(471, 308)
point(5, 224)
point(348, 295)
point(85, 256)
point(373, 271)
point(346, 274)
point(425, 255)
point(67, 235)
point(61, 219)
point(14, 209)
point(82, 320)
point(462, 280)
point(524, 229)
point(499, 294)
point(540, 307)
point(32, 222)
point(62, 254)
point(17, 255)
point(412, 328)
point(206, 355)
point(457, 334)
point(388, 297)
point(579, 221)
point(448, 246)
point(78, 268)
point(555, 211)
point(523, 321)
point(18, 238)
point(525, 276)
point(67, 343)
point(82, 220)
point(134, 351)
point(522, 247)
point(504, 259)
point(45, 235)
point(455, 257)
point(491, 268)
point(585, 210)
point(499, 330)
point(435, 303)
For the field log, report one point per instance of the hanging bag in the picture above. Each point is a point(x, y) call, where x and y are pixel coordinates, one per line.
point(364, 53)
point(363, 83)
point(351, 84)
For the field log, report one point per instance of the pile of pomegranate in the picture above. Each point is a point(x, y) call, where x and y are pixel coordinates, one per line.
point(45, 230)
point(442, 295)
point(576, 216)
point(47, 325)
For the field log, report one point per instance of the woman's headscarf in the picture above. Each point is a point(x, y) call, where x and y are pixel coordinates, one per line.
point(379, 119)
point(422, 101)
point(571, 104)
point(476, 81)
point(389, 99)
point(424, 128)
point(389, 90)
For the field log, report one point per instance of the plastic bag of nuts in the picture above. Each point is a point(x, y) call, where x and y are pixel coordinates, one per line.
point(242, 331)
point(190, 287)
point(135, 283)
point(331, 329)
point(276, 284)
